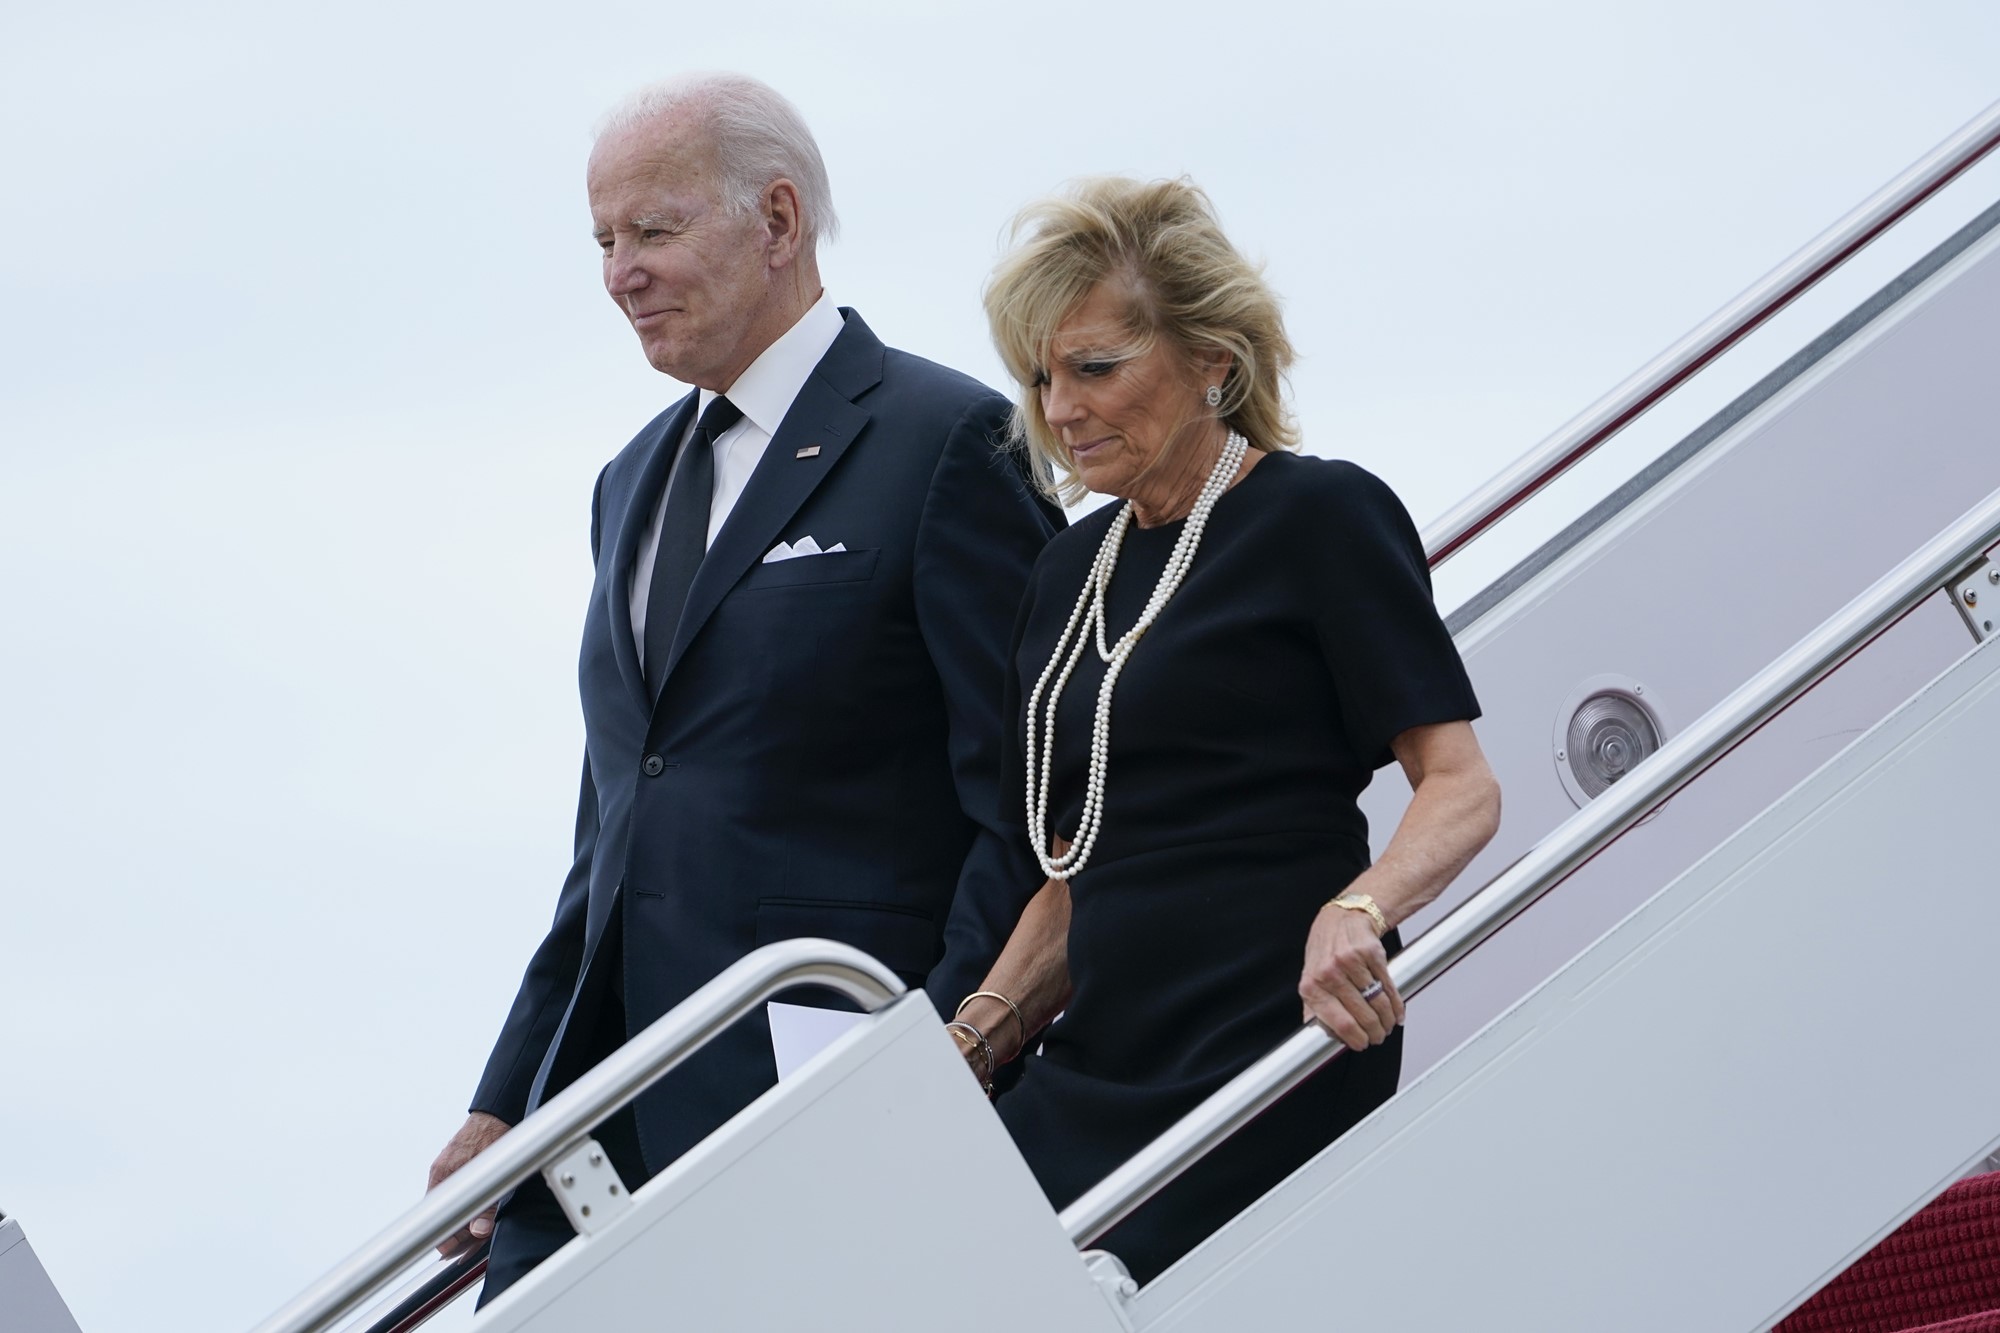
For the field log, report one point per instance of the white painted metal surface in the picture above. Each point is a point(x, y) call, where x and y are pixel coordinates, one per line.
point(29, 1302)
point(1704, 1116)
point(1977, 598)
point(1781, 518)
point(587, 1188)
point(875, 1190)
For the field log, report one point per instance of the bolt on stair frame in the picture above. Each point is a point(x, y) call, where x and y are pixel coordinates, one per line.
point(1922, 575)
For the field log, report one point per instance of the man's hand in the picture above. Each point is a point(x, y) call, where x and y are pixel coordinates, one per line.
point(479, 1132)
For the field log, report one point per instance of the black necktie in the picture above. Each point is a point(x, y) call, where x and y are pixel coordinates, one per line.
point(683, 534)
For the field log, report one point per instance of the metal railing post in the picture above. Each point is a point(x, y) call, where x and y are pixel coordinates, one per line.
point(560, 1125)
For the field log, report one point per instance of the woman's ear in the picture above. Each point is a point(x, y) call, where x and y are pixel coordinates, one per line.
point(1214, 364)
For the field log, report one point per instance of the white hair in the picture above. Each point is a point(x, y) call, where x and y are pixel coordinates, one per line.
point(756, 134)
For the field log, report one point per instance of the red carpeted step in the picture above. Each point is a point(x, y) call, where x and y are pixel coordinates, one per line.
point(1937, 1273)
point(1972, 1323)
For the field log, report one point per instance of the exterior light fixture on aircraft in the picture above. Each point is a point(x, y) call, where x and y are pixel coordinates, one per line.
point(1605, 728)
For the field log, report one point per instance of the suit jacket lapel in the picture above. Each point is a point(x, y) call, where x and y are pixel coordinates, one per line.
point(823, 414)
point(654, 463)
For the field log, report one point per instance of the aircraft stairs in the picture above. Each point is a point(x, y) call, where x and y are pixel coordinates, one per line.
point(1702, 1026)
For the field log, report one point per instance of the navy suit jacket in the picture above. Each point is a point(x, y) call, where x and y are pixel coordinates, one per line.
point(823, 757)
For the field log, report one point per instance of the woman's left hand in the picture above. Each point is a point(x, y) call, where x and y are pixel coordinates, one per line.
point(1343, 958)
point(978, 1054)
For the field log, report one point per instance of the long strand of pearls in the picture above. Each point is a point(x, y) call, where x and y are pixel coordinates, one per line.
point(1087, 624)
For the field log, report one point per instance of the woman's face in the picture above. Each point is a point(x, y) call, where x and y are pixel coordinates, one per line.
point(1114, 412)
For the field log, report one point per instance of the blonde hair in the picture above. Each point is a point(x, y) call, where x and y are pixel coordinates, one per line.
point(1187, 284)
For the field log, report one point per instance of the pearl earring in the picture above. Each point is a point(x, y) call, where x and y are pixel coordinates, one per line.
point(1214, 395)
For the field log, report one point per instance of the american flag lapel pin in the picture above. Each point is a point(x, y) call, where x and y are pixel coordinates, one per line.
point(810, 451)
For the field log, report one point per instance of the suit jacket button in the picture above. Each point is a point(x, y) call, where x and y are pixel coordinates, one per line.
point(653, 765)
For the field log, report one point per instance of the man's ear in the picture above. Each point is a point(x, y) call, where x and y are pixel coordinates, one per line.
point(784, 222)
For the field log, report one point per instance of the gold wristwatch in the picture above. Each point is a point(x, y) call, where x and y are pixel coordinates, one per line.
point(1361, 902)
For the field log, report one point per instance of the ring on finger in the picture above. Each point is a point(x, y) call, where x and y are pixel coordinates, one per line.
point(1374, 989)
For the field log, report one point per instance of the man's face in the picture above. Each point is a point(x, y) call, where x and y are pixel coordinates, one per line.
point(690, 275)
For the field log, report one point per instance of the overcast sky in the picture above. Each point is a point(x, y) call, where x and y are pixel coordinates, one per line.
point(305, 373)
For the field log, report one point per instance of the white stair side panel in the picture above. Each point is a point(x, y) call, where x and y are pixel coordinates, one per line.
point(1779, 522)
point(1632, 869)
point(29, 1302)
point(876, 1189)
point(1704, 1116)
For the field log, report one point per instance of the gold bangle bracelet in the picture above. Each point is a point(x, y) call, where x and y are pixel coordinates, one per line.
point(1362, 902)
point(1012, 1008)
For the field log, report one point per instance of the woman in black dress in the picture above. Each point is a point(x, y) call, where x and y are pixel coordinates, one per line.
point(1206, 677)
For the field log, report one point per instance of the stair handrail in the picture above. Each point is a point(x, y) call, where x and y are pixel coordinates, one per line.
point(411, 1305)
point(1932, 567)
point(1520, 480)
point(561, 1124)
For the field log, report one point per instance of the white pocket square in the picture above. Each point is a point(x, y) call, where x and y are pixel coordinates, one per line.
point(803, 546)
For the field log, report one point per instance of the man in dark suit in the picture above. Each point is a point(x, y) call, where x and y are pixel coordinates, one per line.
point(807, 573)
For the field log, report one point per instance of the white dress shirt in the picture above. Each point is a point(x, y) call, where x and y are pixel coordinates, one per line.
point(764, 392)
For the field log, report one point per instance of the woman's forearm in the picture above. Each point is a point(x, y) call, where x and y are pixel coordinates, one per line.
point(1454, 811)
point(1454, 808)
point(1032, 971)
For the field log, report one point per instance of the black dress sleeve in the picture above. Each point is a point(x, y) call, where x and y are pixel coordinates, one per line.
point(1368, 586)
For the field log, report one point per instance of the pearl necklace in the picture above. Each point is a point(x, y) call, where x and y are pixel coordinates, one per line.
point(1087, 624)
